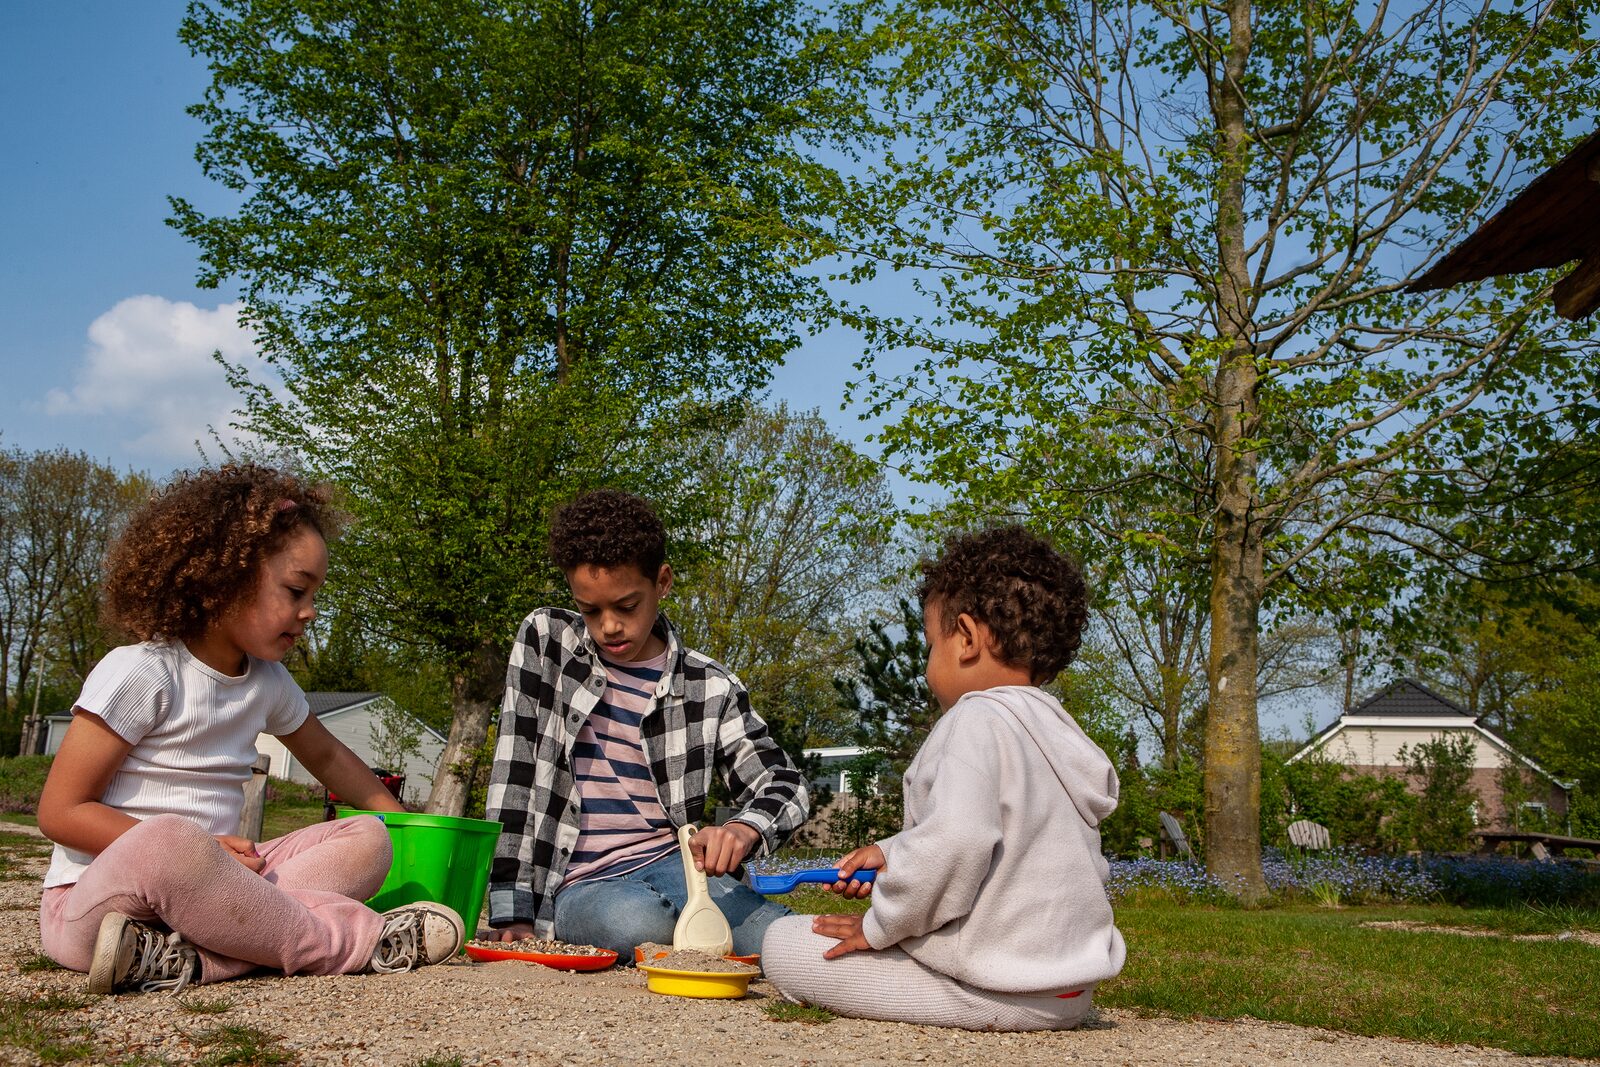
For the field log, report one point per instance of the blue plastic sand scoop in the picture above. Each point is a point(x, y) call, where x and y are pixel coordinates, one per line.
point(768, 884)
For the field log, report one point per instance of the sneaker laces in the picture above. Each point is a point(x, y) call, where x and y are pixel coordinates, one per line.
point(399, 945)
point(160, 961)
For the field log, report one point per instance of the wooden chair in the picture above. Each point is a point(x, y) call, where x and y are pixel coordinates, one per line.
point(1308, 835)
point(1172, 831)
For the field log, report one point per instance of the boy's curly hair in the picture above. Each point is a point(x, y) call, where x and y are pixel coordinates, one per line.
point(1032, 598)
point(196, 547)
point(607, 528)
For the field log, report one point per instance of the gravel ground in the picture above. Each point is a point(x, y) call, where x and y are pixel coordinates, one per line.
point(523, 1013)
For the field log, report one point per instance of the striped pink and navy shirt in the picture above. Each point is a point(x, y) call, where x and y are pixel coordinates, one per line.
point(622, 825)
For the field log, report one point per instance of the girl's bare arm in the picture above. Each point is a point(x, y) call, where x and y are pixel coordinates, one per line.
point(70, 812)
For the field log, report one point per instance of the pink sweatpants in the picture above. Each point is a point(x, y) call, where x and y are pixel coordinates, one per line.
point(303, 914)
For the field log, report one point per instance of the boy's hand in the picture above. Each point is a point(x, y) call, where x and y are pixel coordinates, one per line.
point(719, 849)
point(242, 849)
point(866, 858)
point(514, 932)
point(847, 928)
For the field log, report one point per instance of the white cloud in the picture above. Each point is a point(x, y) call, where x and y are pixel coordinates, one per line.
point(148, 368)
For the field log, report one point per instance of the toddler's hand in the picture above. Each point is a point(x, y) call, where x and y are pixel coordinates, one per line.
point(847, 928)
point(242, 849)
point(719, 849)
point(866, 858)
point(514, 932)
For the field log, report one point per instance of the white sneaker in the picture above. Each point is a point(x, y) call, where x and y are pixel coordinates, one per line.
point(416, 935)
point(134, 955)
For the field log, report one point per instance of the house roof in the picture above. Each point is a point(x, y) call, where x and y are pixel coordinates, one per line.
point(1545, 225)
point(1405, 701)
point(327, 703)
point(1406, 697)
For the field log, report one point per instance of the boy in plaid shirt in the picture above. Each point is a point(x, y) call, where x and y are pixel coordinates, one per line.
point(609, 733)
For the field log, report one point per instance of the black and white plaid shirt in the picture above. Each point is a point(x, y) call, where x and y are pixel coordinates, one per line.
point(700, 720)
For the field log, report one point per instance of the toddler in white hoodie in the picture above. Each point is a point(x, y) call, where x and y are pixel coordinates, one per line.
point(989, 910)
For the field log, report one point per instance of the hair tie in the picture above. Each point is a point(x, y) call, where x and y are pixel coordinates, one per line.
point(286, 505)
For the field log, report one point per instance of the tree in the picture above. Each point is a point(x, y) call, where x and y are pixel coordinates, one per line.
point(795, 557)
point(887, 695)
point(496, 253)
point(59, 511)
point(1443, 813)
point(1186, 231)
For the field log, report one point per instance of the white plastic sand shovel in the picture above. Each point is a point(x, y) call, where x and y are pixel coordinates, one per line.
point(701, 925)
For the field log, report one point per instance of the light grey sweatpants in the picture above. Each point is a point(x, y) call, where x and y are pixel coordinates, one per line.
point(891, 986)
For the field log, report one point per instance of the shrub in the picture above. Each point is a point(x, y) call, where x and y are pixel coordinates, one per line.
point(1501, 882)
point(21, 782)
point(1442, 817)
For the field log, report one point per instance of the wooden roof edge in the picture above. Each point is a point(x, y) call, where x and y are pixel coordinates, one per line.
point(1467, 261)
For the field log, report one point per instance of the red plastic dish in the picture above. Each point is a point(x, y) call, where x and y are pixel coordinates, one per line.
point(560, 963)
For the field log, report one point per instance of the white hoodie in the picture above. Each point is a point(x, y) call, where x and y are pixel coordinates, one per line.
point(997, 879)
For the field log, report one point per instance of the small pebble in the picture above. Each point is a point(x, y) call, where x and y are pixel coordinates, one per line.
point(546, 946)
point(688, 959)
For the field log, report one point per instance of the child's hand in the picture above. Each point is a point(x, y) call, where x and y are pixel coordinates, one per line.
point(719, 849)
point(242, 849)
point(847, 928)
point(514, 932)
point(866, 858)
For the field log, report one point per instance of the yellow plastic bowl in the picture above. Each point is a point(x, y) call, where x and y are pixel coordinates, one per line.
point(711, 985)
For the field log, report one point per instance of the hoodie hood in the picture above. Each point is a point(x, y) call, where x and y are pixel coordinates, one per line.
point(1085, 772)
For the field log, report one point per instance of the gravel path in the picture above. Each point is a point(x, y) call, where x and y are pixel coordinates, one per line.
point(522, 1013)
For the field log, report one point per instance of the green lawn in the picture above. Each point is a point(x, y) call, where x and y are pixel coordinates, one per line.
point(1318, 967)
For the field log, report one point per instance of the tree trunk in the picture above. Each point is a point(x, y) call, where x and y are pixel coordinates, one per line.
point(1172, 690)
point(1233, 735)
point(475, 692)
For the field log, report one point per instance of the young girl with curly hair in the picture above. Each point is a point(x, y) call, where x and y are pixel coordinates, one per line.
point(150, 886)
point(989, 911)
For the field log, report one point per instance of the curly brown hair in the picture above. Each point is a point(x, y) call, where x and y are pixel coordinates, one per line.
point(607, 528)
point(196, 547)
point(1032, 598)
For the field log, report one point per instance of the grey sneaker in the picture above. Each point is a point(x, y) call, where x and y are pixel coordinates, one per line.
point(415, 936)
point(134, 955)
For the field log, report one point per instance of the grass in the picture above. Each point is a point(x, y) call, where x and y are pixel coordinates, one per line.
point(31, 1025)
point(782, 1011)
point(289, 807)
point(1313, 966)
point(240, 1045)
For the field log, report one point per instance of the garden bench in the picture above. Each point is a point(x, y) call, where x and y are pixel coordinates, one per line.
point(1309, 835)
point(1172, 831)
point(1489, 839)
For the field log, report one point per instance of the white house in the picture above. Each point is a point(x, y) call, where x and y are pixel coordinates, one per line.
point(835, 765)
point(1368, 739)
point(358, 719)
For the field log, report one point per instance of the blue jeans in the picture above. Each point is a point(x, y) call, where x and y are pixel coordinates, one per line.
point(619, 913)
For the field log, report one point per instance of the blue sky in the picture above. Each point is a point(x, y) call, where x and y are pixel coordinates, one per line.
point(106, 343)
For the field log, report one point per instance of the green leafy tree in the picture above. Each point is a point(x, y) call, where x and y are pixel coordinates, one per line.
point(495, 253)
point(795, 559)
point(1166, 251)
point(887, 695)
point(59, 511)
point(1441, 768)
point(1567, 739)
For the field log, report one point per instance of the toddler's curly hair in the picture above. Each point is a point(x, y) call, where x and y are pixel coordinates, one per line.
point(196, 547)
point(1032, 598)
point(607, 528)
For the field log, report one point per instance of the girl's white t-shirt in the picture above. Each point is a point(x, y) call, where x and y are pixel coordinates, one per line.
point(193, 731)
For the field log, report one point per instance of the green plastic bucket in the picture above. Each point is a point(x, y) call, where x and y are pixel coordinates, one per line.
point(436, 857)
